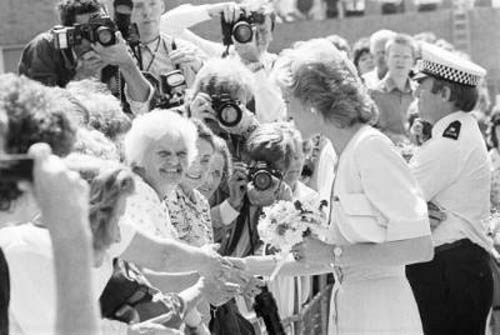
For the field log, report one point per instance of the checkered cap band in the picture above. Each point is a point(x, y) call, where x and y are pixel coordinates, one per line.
point(448, 73)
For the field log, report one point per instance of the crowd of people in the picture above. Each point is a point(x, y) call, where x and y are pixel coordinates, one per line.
point(138, 158)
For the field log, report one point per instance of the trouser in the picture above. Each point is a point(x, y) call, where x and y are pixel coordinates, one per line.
point(454, 291)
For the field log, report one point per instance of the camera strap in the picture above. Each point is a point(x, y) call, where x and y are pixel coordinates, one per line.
point(153, 53)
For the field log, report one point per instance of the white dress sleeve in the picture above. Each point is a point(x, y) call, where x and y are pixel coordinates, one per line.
point(388, 204)
point(392, 190)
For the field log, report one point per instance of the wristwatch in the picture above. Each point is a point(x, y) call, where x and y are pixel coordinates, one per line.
point(337, 252)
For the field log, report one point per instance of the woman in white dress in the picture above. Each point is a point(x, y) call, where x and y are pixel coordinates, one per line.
point(379, 218)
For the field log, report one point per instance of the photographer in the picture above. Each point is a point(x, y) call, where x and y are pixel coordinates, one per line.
point(169, 63)
point(60, 55)
point(256, 21)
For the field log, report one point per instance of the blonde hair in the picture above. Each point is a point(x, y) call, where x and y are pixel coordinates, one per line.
point(322, 77)
point(149, 128)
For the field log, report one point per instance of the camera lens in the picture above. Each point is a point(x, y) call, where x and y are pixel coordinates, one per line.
point(105, 36)
point(262, 180)
point(242, 32)
point(230, 115)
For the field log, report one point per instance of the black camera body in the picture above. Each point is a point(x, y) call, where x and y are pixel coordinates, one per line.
point(172, 86)
point(100, 28)
point(14, 168)
point(242, 29)
point(227, 110)
point(261, 174)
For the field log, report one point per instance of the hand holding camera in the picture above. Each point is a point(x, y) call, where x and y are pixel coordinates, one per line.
point(116, 54)
point(238, 185)
point(267, 186)
point(186, 54)
point(100, 29)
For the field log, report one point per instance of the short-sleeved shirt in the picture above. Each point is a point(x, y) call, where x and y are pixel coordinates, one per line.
point(375, 197)
point(190, 217)
point(4, 294)
point(156, 57)
point(393, 105)
point(454, 173)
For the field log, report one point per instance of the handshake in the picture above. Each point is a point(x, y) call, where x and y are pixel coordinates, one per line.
point(226, 278)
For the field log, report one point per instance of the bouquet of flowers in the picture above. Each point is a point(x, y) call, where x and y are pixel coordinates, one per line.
point(286, 223)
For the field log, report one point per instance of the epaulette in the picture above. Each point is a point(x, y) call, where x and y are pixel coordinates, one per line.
point(453, 130)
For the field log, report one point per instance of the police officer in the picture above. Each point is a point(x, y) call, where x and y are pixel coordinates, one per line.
point(453, 291)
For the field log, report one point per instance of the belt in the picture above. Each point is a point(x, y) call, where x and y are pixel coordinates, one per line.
point(449, 246)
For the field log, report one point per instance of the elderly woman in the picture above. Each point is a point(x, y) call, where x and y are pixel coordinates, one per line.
point(159, 148)
point(379, 219)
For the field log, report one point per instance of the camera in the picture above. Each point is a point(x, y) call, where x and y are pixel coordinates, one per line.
point(227, 110)
point(100, 28)
point(173, 89)
point(262, 176)
point(242, 29)
point(15, 168)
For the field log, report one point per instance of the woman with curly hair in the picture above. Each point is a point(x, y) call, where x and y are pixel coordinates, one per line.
point(378, 222)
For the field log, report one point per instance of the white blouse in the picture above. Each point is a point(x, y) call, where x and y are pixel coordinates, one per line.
point(375, 197)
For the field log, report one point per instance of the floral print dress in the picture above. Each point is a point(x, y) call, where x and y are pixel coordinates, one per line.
point(190, 217)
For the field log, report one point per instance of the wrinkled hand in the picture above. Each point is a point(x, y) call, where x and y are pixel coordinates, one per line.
point(238, 185)
point(89, 65)
point(313, 251)
point(279, 191)
point(117, 54)
point(436, 215)
point(60, 193)
point(186, 54)
point(214, 266)
point(229, 10)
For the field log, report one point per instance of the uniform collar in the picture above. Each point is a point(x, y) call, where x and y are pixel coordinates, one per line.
point(443, 123)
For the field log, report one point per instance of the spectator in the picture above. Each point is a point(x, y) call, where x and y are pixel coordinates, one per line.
point(378, 41)
point(494, 153)
point(61, 199)
point(394, 94)
point(362, 57)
